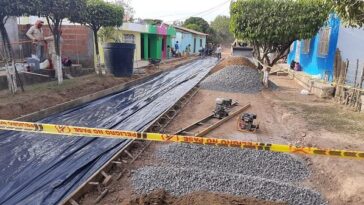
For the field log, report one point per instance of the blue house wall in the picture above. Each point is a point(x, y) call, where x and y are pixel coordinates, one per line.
point(311, 62)
point(184, 39)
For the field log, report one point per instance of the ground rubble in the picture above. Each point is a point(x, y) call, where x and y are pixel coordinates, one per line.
point(191, 168)
point(234, 78)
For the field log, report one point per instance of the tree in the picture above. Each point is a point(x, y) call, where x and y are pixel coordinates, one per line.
point(199, 24)
point(202, 25)
point(100, 14)
point(128, 9)
point(221, 27)
point(11, 8)
point(193, 27)
point(178, 23)
point(153, 21)
point(271, 26)
point(351, 11)
point(55, 12)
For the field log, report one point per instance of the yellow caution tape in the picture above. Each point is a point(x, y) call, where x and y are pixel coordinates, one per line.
point(107, 133)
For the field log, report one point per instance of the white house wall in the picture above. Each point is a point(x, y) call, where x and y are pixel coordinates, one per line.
point(351, 46)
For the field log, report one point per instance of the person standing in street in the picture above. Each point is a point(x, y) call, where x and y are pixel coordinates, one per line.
point(188, 50)
point(35, 33)
point(218, 52)
point(176, 47)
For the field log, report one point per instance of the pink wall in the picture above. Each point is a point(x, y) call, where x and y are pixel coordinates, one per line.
point(162, 30)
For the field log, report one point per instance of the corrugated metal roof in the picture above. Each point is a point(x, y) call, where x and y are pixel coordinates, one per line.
point(190, 30)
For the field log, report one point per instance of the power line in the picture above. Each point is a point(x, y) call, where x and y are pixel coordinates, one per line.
point(213, 8)
point(216, 11)
point(208, 11)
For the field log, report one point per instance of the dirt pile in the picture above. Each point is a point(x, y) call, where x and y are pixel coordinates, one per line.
point(229, 61)
point(161, 197)
point(270, 165)
point(186, 169)
point(236, 78)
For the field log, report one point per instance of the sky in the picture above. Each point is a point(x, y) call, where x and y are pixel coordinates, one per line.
point(171, 10)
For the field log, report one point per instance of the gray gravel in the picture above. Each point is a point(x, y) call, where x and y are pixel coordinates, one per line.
point(235, 78)
point(270, 165)
point(180, 181)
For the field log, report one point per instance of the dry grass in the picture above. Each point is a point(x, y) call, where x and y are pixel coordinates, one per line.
point(329, 117)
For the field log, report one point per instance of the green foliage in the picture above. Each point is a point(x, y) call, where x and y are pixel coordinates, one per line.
point(178, 23)
point(193, 27)
point(351, 11)
point(153, 21)
point(221, 27)
point(213, 36)
point(108, 34)
point(57, 10)
point(199, 24)
point(271, 26)
point(203, 26)
point(12, 8)
point(128, 9)
point(99, 13)
point(16, 8)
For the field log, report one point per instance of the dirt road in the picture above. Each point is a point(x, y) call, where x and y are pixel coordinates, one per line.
point(288, 117)
point(285, 116)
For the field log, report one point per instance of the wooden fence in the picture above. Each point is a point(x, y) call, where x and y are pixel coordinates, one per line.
point(345, 94)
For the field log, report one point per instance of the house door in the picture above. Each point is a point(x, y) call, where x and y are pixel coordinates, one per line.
point(164, 47)
point(194, 45)
point(142, 48)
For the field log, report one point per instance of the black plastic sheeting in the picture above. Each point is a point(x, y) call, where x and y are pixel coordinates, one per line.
point(44, 169)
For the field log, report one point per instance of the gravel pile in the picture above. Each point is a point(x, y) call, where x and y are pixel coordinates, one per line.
point(180, 181)
point(270, 165)
point(235, 78)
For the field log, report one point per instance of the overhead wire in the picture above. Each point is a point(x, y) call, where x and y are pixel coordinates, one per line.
point(219, 11)
point(205, 12)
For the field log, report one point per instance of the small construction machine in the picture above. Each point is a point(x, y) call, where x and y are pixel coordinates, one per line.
point(225, 110)
point(222, 107)
point(246, 123)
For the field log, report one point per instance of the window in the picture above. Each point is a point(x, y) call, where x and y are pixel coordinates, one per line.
point(129, 38)
point(306, 46)
point(324, 41)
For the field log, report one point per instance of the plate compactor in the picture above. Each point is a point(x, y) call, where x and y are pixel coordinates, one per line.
point(222, 107)
point(246, 123)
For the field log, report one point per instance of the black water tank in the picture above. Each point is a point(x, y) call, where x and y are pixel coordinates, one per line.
point(119, 58)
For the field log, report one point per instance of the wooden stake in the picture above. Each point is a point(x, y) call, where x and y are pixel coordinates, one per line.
point(356, 72)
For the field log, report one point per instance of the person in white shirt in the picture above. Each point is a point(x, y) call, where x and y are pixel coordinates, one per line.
point(35, 33)
point(218, 51)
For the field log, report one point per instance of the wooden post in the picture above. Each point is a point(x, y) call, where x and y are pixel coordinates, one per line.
point(360, 86)
point(362, 78)
point(337, 66)
point(356, 72)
